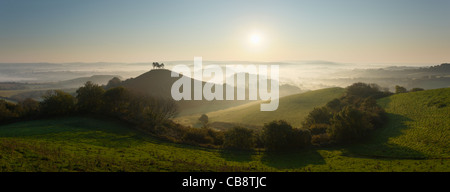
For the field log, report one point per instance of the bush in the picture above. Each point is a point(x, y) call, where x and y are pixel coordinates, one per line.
point(239, 138)
point(57, 103)
point(197, 136)
point(204, 120)
point(320, 139)
point(276, 135)
point(300, 138)
point(400, 89)
point(317, 129)
point(317, 116)
point(8, 111)
point(348, 118)
point(279, 135)
point(116, 101)
point(113, 83)
point(29, 108)
point(366, 90)
point(89, 98)
point(349, 125)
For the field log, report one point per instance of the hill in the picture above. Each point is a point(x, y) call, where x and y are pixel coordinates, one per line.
point(159, 82)
point(433, 77)
point(78, 82)
point(20, 91)
point(293, 109)
point(418, 127)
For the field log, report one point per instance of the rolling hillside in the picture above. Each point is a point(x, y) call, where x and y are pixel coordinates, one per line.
point(292, 108)
point(418, 126)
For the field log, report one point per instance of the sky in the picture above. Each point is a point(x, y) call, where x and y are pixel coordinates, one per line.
point(348, 31)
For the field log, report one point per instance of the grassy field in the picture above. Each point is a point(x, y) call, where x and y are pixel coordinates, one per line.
point(415, 139)
point(292, 108)
point(418, 127)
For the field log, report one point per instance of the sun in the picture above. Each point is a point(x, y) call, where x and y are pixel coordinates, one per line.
point(255, 38)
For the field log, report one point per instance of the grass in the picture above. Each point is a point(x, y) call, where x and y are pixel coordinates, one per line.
point(292, 108)
point(415, 139)
point(418, 126)
point(85, 144)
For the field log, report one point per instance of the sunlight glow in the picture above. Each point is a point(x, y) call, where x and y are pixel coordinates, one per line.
point(255, 38)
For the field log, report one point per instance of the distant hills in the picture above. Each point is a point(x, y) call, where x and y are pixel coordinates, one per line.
point(16, 91)
point(433, 77)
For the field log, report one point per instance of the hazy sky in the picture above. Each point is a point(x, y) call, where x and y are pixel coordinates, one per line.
point(354, 31)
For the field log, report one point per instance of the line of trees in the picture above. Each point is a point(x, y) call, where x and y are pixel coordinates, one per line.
point(92, 99)
point(400, 89)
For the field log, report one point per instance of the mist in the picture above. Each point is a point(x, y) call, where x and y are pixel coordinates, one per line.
point(306, 75)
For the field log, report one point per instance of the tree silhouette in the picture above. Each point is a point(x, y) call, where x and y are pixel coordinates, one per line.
point(400, 89)
point(157, 65)
point(114, 82)
point(90, 98)
point(57, 102)
point(203, 120)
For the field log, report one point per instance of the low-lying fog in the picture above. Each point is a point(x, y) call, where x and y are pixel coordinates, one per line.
point(307, 75)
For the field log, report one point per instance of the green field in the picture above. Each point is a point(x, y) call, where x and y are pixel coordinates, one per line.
point(292, 108)
point(415, 139)
point(418, 126)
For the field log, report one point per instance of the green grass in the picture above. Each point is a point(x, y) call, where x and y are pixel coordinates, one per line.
point(292, 108)
point(416, 138)
point(85, 144)
point(418, 126)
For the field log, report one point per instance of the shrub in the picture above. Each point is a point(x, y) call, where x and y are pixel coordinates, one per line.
point(349, 125)
point(239, 138)
point(348, 118)
point(365, 90)
point(8, 111)
point(116, 101)
point(400, 89)
point(276, 135)
point(57, 103)
point(29, 108)
point(89, 98)
point(113, 83)
point(300, 138)
point(317, 116)
point(204, 120)
point(320, 139)
point(197, 136)
point(317, 129)
point(279, 135)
